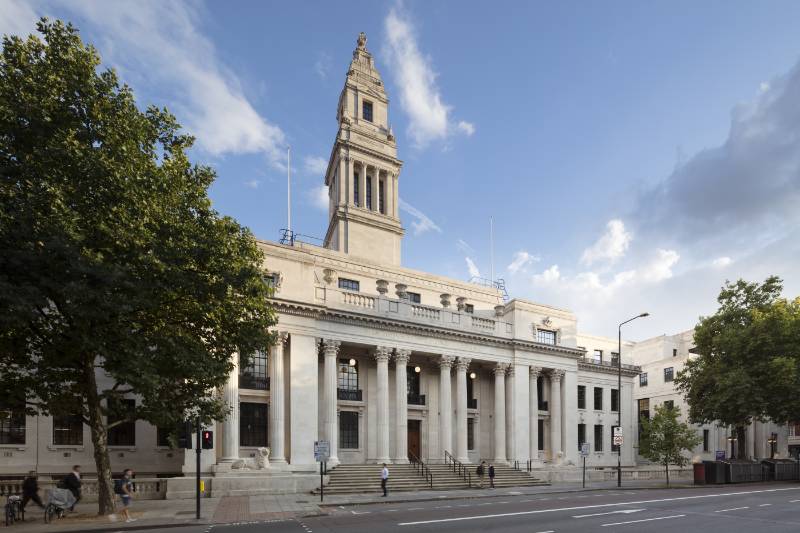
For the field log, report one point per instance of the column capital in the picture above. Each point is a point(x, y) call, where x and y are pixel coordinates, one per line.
point(510, 371)
point(500, 369)
point(463, 363)
point(401, 356)
point(556, 374)
point(446, 362)
point(381, 353)
point(536, 371)
point(331, 347)
point(282, 337)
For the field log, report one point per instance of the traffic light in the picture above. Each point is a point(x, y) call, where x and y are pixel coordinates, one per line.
point(185, 435)
point(207, 439)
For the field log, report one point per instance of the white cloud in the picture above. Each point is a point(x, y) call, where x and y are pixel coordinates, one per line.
point(423, 223)
point(722, 262)
point(322, 66)
point(548, 277)
point(659, 267)
point(420, 97)
point(467, 128)
point(463, 246)
point(763, 86)
point(316, 165)
point(17, 18)
point(611, 246)
point(319, 197)
point(252, 184)
point(472, 268)
point(521, 260)
point(160, 48)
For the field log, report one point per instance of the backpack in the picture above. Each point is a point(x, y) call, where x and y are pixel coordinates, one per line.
point(118, 483)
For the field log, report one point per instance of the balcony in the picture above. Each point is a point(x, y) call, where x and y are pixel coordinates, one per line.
point(472, 403)
point(610, 364)
point(416, 399)
point(249, 381)
point(349, 395)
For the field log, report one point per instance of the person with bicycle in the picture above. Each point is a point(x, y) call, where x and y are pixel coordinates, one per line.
point(30, 490)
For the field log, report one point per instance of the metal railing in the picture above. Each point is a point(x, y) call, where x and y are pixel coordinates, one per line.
point(416, 399)
point(290, 237)
point(458, 467)
point(350, 395)
point(249, 381)
point(421, 468)
point(472, 403)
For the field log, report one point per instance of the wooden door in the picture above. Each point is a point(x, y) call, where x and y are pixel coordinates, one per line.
point(414, 438)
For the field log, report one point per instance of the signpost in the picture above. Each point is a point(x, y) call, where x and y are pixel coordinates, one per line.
point(584, 455)
point(322, 450)
point(720, 455)
point(617, 439)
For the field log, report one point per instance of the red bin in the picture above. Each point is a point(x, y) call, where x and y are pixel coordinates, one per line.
point(699, 473)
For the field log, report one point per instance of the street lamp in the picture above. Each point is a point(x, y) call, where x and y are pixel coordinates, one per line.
point(772, 440)
point(619, 392)
point(732, 440)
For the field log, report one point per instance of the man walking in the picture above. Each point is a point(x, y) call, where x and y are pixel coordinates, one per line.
point(491, 476)
point(384, 479)
point(73, 482)
point(481, 471)
point(30, 490)
point(124, 487)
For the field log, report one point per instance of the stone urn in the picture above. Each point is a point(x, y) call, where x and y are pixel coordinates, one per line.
point(445, 299)
point(461, 303)
point(382, 286)
point(498, 310)
point(400, 290)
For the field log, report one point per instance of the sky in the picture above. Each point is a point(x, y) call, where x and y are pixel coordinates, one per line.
point(633, 155)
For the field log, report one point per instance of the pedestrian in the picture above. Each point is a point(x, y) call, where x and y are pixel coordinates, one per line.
point(491, 476)
point(480, 471)
point(30, 490)
point(72, 481)
point(124, 488)
point(384, 479)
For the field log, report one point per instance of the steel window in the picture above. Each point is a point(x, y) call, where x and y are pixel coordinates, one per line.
point(598, 398)
point(546, 336)
point(68, 430)
point(668, 374)
point(349, 284)
point(12, 424)
point(614, 400)
point(253, 424)
point(581, 396)
point(366, 110)
point(125, 433)
point(253, 374)
point(598, 438)
point(348, 430)
point(643, 379)
point(347, 375)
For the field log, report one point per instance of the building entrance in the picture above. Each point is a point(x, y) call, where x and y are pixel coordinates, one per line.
point(414, 439)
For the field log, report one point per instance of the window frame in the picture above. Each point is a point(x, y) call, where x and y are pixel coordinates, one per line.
point(65, 425)
point(368, 198)
point(356, 196)
point(581, 396)
point(347, 376)
point(670, 370)
point(597, 356)
point(365, 106)
point(545, 336)
point(581, 429)
point(598, 394)
point(13, 428)
point(614, 396)
point(347, 284)
point(470, 434)
point(381, 192)
point(706, 439)
point(116, 436)
point(413, 297)
point(598, 442)
point(256, 372)
point(643, 379)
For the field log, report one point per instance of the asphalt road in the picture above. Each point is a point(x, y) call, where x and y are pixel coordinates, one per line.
point(762, 508)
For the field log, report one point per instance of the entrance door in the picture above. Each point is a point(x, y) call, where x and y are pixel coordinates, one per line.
point(414, 438)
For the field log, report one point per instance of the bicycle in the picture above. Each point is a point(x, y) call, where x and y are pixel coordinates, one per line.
point(58, 502)
point(14, 511)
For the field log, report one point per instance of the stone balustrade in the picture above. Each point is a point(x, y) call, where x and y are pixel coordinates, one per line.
point(358, 300)
point(144, 488)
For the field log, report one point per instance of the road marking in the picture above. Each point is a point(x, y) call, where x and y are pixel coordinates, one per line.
point(644, 520)
point(502, 502)
point(793, 501)
point(597, 506)
point(622, 511)
point(548, 531)
point(732, 509)
point(526, 501)
point(362, 512)
point(391, 510)
point(765, 505)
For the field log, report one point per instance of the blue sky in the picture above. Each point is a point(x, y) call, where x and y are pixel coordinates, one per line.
point(633, 155)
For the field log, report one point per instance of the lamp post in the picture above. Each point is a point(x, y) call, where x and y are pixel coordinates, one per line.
point(619, 392)
point(732, 440)
point(772, 440)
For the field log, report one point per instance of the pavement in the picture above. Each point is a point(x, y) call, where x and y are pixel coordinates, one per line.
point(643, 506)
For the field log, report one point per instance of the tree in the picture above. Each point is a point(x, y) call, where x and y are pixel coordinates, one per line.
point(748, 364)
point(664, 438)
point(117, 278)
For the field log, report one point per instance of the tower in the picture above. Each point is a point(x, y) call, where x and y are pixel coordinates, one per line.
point(363, 169)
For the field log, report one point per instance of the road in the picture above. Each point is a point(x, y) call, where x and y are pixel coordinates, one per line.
point(762, 508)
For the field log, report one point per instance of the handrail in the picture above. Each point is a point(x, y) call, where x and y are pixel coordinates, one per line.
point(421, 468)
point(458, 467)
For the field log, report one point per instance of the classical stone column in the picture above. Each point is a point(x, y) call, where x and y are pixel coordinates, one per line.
point(362, 186)
point(534, 412)
point(511, 451)
point(276, 409)
point(461, 409)
point(381, 355)
point(376, 183)
point(330, 399)
point(396, 201)
point(401, 404)
point(500, 412)
point(445, 409)
point(556, 449)
point(230, 426)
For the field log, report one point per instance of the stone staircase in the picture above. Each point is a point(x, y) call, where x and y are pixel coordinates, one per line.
point(362, 479)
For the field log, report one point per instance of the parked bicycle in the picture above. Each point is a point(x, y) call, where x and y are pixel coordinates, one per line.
point(58, 502)
point(14, 510)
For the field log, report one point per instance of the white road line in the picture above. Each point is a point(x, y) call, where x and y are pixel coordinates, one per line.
point(644, 520)
point(548, 531)
point(363, 512)
point(621, 511)
point(416, 508)
point(765, 505)
point(732, 509)
point(794, 501)
point(597, 506)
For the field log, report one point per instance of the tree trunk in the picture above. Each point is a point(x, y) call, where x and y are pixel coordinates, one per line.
point(741, 443)
point(105, 493)
point(666, 469)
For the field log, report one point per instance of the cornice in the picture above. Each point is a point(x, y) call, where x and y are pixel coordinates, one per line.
point(384, 324)
point(589, 367)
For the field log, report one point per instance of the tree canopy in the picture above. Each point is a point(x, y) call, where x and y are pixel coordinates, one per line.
point(117, 277)
point(748, 363)
point(664, 438)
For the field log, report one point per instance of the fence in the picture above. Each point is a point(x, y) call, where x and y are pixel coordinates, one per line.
point(145, 488)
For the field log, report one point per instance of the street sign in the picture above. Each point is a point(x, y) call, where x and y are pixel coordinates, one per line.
point(617, 441)
point(720, 455)
point(322, 450)
point(617, 431)
point(585, 449)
